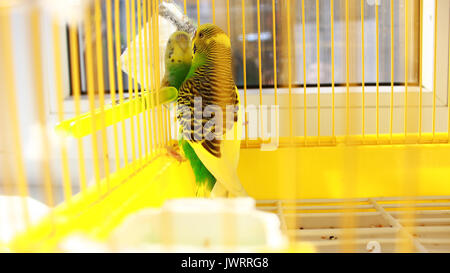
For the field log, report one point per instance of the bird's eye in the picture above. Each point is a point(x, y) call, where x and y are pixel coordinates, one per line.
point(200, 35)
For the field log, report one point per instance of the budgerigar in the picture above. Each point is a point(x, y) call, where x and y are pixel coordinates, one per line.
point(177, 61)
point(212, 150)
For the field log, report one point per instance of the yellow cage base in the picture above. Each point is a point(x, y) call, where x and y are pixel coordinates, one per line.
point(284, 174)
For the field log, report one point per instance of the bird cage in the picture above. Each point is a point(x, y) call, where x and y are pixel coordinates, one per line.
point(345, 134)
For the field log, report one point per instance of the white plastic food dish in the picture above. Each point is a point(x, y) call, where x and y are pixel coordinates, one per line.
point(200, 225)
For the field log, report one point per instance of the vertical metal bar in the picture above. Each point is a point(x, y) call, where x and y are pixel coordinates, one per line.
point(291, 122)
point(135, 82)
point(378, 68)
point(244, 64)
point(260, 68)
point(392, 72)
point(157, 65)
point(228, 18)
point(275, 83)
point(119, 77)
point(318, 68)
point(214, 11)
point(130, 79)
point(163, 124)
point(155, 81)
point(101, 85)
point(305, 118)
point(349, 156)
point(6, 54)
point(141, 75)
point(90, 90)
point(421, 71)
point(347, 104)
point(198, 12)
point(152, 76)
point(36, 50)
point(168, 124)
point(146, 23)
point(332, 72)
point(67, 184)
point(448, 98)
point(434, 66)
point(408, 187)
point(363, 71)
point(157, 59)
point(74, 60)
point(406, 69)
point(167, 216)
point(408, 179)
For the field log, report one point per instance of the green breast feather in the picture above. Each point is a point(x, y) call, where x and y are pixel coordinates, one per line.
point(202, 175)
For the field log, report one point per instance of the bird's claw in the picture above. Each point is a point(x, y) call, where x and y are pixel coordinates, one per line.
point(173, 151)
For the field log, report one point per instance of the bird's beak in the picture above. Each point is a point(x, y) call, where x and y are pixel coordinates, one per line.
point(194, 48)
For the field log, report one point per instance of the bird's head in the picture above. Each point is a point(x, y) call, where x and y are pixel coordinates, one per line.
point(205, 36)
point(178, 49)
point(178, 58)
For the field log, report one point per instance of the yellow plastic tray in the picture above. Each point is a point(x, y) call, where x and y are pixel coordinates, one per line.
point(286, 173)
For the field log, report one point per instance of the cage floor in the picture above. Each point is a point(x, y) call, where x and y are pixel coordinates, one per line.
point(366, 224)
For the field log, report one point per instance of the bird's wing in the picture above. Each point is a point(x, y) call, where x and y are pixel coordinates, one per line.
point(224, 168)
point(221, 93)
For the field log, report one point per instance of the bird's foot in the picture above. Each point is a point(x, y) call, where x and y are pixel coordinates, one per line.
point(174, 151)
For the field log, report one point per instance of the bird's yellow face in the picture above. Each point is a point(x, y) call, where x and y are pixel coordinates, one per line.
point(205, 34)
point(178, 48)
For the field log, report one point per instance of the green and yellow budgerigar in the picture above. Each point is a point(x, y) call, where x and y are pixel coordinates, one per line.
point(212, 148)
point(177, 59)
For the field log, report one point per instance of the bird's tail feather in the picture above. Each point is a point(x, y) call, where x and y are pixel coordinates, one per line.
point(221, 190)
